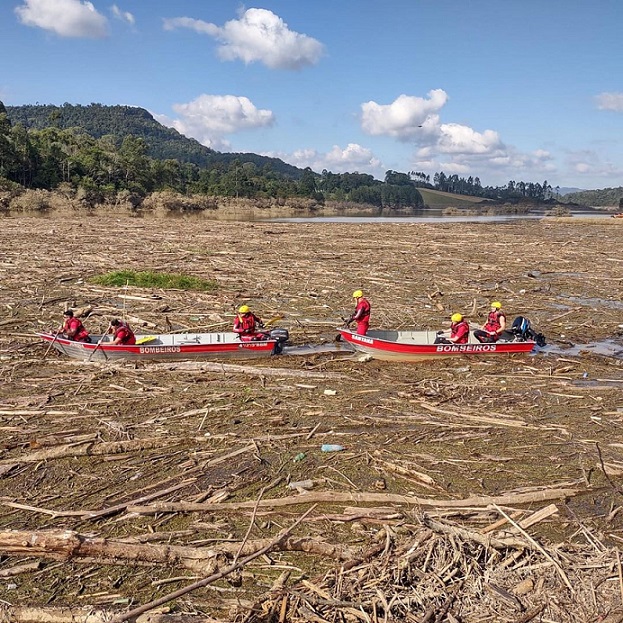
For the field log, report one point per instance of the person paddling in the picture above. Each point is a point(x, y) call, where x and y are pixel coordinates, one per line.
point(122, 333)
point(246, 324)
point(73, 328)
point(361, 315)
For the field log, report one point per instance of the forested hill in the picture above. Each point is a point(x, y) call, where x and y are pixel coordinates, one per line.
point(120, 121)
point(597, 198)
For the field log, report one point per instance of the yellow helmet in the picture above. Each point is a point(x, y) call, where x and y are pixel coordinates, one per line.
point(357, 294)
point(244, 309)
point(456, 317)
point(496, 304)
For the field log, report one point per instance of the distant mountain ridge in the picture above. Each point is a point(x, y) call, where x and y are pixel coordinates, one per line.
point(606, 197)
point(163, 143)
point(564, 190)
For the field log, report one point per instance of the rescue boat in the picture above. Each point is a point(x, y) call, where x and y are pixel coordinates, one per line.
point(419, 345)
point(170, 346)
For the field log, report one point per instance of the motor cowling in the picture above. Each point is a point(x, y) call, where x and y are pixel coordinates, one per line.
point(522, 330)
point(279, 334)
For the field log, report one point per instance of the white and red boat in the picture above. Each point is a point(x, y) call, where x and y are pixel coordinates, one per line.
point(169, 346)
point(419, 345)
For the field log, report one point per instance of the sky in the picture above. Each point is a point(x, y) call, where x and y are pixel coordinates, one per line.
point(523, 90)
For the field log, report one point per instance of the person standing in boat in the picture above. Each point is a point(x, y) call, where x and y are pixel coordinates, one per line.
point(459, 331)
point(361, 315)
point(122, 333)
point(494, 326)
point(73, 328)
point(246, 325)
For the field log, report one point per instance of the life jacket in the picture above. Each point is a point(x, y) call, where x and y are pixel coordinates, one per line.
point(493, 321)
point(245, 324)
point(362, 311)
point(461, 330)
point(126, 334)
point(76, 328)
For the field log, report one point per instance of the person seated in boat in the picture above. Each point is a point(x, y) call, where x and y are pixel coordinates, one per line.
point(246, 325)
point(361, 315)
point(459, 331)
point(73, 329)
point(122, 333)
point(495, 325)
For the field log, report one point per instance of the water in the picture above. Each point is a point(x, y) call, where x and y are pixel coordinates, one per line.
point(596, 302)
point(608, 348)
point(315, 349)
point(427, 216)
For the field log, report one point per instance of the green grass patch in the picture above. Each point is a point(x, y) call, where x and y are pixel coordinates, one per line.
point(148, 279)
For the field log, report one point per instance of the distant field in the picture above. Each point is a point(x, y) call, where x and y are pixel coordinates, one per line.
point(440, 199)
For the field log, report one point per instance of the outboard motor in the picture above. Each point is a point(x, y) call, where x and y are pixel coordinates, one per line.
point(522, 330)
point(281, 336)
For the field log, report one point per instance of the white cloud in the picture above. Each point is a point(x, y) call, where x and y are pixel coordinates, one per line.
point(350, 159)
point(66, 18)
point(460, 139)
point(208, 118)
point(259, 35)
point(404, 116)
point(610, 101)
point(587, 163)
point(125, 16)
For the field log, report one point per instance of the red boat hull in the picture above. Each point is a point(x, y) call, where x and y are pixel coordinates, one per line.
point(419, 345)
point(164, 348)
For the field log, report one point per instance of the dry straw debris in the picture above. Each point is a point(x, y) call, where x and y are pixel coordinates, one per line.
point(469, 489)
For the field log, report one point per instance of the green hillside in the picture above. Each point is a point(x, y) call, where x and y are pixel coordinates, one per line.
point(606, 197)
point(120, 121)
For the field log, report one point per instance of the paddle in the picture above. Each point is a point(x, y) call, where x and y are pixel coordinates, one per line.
point(52, 343)
point(273, 319)
point(145, 339)
point(99, 343)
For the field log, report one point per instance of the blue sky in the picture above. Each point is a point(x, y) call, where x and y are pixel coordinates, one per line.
point(504, 90)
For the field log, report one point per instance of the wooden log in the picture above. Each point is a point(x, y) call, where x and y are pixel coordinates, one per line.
point(34, 614)
point(70, 545)
point(195, 366)
point(89, 449)
point(363, 497)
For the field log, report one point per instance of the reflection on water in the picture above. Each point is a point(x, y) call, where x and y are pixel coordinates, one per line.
point(607, 348)
point(595, 302)
point(426, 216)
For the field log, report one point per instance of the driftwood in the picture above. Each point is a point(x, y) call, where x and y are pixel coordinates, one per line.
point(29, 614)
point(91, 448)
point(483, 429)
point(67, 544)
point(365, 497)
point(217, 576)
point(231, 368)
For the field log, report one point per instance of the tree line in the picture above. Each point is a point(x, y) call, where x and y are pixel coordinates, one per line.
point(105, 150)
point(472, 186)
point(51, 157)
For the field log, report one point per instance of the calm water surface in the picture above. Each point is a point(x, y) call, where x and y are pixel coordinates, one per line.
point(429, 216)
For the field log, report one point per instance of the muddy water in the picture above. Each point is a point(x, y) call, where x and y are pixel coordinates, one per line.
point(608, 348)
point(427, 216)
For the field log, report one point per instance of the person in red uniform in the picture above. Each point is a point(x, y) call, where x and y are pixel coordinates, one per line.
point(361, 315)
point(459, 331)
point(73, 328)
point(495, 325)
point(246, 325)
point(122, 334)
